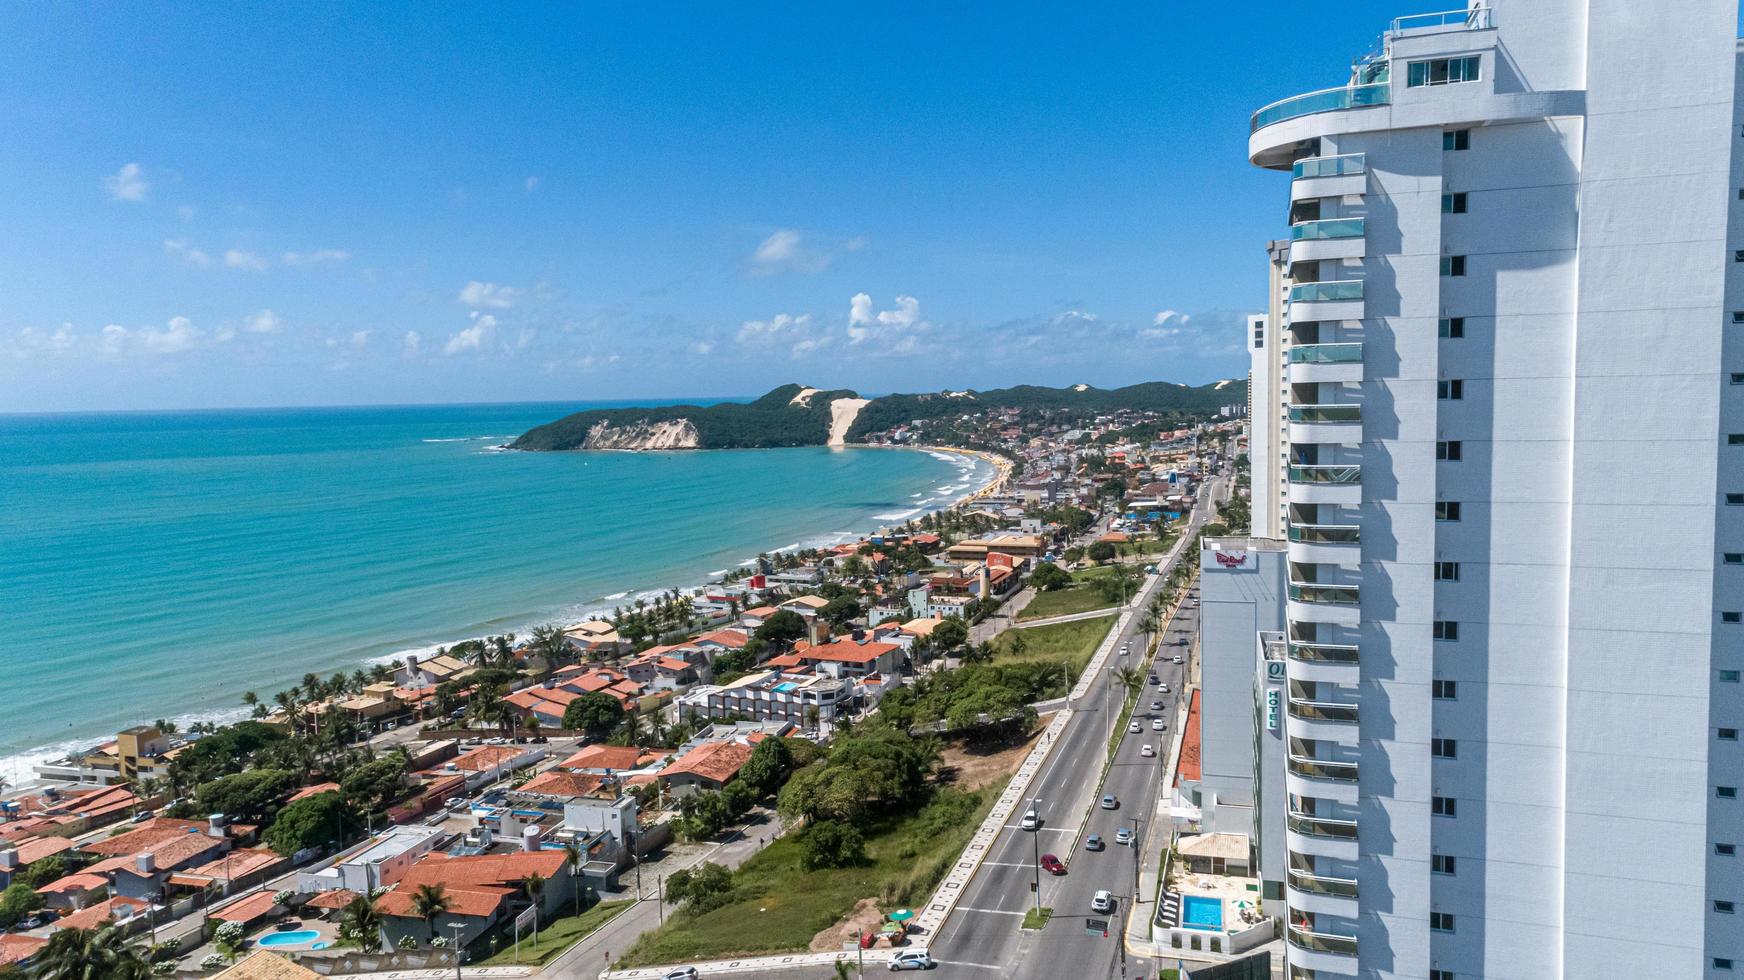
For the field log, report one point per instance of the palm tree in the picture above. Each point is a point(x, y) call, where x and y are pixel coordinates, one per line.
point(534, 884)
point(573, 858)
point(1131, 678)
point(428, 902)
point(1016, 643)
point(90, 954)
point(251, 699)
point(1148, 626)
point(362, 922)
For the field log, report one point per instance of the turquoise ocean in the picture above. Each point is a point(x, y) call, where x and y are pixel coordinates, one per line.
point(157, 565)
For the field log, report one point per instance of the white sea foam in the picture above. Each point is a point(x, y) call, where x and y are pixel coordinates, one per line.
point(457, 439)
point(718, 571)
point(615, 596)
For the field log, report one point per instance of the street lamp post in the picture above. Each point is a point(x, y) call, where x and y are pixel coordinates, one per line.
point(456, 927)
point(1035, 839)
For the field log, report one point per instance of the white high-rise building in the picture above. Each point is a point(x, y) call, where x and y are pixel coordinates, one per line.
point(1515, 496)
point(1268, 383)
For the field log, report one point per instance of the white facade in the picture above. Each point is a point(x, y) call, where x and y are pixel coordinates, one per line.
point(1268, 344)
point(1513, 281)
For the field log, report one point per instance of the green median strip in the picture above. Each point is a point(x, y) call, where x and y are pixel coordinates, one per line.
point(558, 935)
point(1037, 918)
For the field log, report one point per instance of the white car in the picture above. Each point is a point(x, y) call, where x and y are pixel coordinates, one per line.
point(912, 959)
point(1123, 835)
point(1157, 725)
point(1031, 820)
point(682, 973)
point(1176, 659)
point(1102, 901)
point(1148, 751)
point(1134, 728)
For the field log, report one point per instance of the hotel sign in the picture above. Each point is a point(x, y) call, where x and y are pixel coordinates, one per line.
point(1234, 559)
point(1272, 699)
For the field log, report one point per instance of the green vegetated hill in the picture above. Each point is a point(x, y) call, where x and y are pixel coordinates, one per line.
point(783, 418)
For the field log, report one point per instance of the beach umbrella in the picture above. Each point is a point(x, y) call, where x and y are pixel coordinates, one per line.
point(901, 915)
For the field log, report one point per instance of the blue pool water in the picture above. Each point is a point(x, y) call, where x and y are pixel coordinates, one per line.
point(785, 686)
point(1200, 912)
point(301, 937)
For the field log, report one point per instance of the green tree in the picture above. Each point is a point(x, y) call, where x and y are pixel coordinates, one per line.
point(1100, 552)
point(89, 954)
point(310, 822)
point(361, 924)
point(16, 902)
point(247, 797)
point(838, 612)
point(376, 784)
point(948, 636)
point(702, 888)
point(596, 713)
point(1049, 577)
point(781, 629)
point(768, 766)
point(831, 844)
point(1073, 555)
point(428, 902)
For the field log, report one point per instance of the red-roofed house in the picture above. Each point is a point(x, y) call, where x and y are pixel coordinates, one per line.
point(484, 892)
point(852, 658)
point(16, 950)
point(73, 891)
point(118, 909)
point(140, 861)
point(661, 671)
point(724, 639)
point(608, 759)
point(707, 767)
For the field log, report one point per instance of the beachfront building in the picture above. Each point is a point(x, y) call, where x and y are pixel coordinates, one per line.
point(1516, 270)
point(803, 699)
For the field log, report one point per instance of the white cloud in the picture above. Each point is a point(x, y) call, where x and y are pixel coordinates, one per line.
point(530, 183)
point(224, 335)
point(1074, 316)
point(359, 338)
point(266, 321)
point(34, 340)
point(114, 337)
point(702, 347)
point(238, 259)
point(489, 295)
point(178, 335)
point(317, 257)
point(1162, 319)
point(127, 184)
point(180, 248)
point(861, 318)
point(412, 343)
point(780, 323)
point(472, 338)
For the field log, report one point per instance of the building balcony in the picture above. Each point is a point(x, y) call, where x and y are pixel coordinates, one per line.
point(1321, 942)
point(1334, 840)
point(1318, 168)
point(1325, 534)
point(1336, 772)
point(1323, 653)
point(1338, 99)
point(1330, 238)
point(1309, 826)
point(1316, 594)
point(1344, 475)
point(1323, 711)
point(1340, 485)
point(1315, 884)
point(1336, 299)
point(1314, 363)
point(1335, 424)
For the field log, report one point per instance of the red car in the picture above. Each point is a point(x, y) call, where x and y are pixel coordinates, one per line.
point(1052, 865)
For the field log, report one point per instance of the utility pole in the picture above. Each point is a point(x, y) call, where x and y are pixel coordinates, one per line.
point(660, 897)
point(1035, 839)
point(456, 927)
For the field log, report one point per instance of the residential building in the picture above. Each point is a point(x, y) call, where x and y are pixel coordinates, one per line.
point(380, 863)
point(705, 768)
point(801, 698)
point(1516, 270)
point(1268, 429)
point(485, 892)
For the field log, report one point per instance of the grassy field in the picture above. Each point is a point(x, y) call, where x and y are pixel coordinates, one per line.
point(1081, 596)
point(558, 935)
point(1074, 642)
point(778, 906)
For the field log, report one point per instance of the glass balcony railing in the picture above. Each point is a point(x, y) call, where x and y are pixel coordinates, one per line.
point(1339, 166)
point(1304, 881)
point(1326, 228)
point(1322, 711)
point(1334, 291)
point(1338, 772)
point(1324, 595)
point(1325, 533)
point(1323, 653)
point(1325, 100)
point(1347, 475)
point(1310, 826)
point(1325, 413)
point(1326, 354)
point(1320, 942)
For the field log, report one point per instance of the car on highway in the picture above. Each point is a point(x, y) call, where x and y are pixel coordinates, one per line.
point(1164, 689)
point(1102, 901)
point(1094, 843)
point(1031, 820)
point(1053, 865)
point(1154, 679)
point(1111, 802)
point(1148, 751)
point(1176, 659)
point(1157, 724)
point(1156, 705)
point(1134, 728)
point(682, 973)
point(912, 959)
point(1123, 836)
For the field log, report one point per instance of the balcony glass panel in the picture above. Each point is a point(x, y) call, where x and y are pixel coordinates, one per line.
point(1327, 292)
point(1326, 595)
point(1320, 885)
point(1326, 354)
point(1341, 772)
point(1326, 413)
point(1320, 942)
point(1322, 711)
point(1306, 825)
point(1326, 474)
point(1325, 533)
point(1325, 100)
point(1323, 653)
point(1350, 163)
point(1312, 231)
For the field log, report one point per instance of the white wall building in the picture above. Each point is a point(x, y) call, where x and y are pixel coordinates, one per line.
point(1517, 273)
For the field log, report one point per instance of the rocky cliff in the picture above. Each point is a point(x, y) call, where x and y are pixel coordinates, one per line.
point(673, 434)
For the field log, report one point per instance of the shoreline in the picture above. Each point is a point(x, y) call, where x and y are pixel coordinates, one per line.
point(17, 766)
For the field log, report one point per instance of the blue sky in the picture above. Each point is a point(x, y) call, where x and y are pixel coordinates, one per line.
point(221, 205)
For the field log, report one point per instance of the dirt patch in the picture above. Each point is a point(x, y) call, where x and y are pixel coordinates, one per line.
point(864, 917)
point(970, 767)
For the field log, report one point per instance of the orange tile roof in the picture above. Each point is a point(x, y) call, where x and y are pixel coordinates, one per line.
point(716, 761)
point(16, 949)
point(560, 783)
point(1188, 768)
point(726, 638)
point(477, 885)
point(486, 756)
point(240, 863)
point(83, 881)
point(849, 652)
point(763, 611)
point(336, 898)
point(247, 908)
point(610, 757)
point(314, 790)
point(36, 848)
point(95, 915)
point(144, 837)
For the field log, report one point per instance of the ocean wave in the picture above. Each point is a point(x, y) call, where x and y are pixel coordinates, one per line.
point(615, 596)
point(897, 516)
point(718, 571)
point(457, 439)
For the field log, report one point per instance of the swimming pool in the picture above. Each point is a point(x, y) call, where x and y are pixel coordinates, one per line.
point(301, 937)
point(1202, 912)
point(785, 686)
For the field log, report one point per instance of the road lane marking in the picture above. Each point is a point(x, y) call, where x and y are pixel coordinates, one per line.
point(965, 908)
point(978, 966)
point(1040, 830)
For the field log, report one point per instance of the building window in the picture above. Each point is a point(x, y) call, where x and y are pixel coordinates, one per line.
point(1738, 377)
point(1446, 629)
point(1723, 907)
point(1440, 975)
point(1735, 499)
point(1441, 921)
point(1454, 326)
point(1448, 450)
point(1733, 557)
point(1726, 850)
point(1444, 748)
point(1448, 510)
point(1738, 256)
point(1726, 792)
point(1732, 617)
point(1453, 265)
point(1453, 203)
point(1460, 139)
point(1727, 734)
point(1444, 690)
point(1447, 571)
point(1728, 677)
point(1722, 963)
point(1444, 806)
point(1441, 864)
point(1443, 71)
point(1453, 389)
point(1738, 316)
point(1735, 438)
